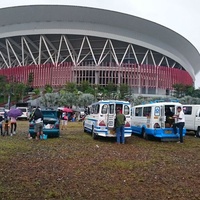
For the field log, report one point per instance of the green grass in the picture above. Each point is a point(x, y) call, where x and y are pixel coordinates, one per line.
point(75, 166)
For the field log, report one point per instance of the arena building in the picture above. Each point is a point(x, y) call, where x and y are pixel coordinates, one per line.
point(59, 44)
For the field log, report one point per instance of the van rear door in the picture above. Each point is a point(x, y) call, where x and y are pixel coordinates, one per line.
point(111, 115)
point(127, 112)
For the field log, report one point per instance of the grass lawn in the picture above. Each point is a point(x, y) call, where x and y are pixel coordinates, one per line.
point(74, 166)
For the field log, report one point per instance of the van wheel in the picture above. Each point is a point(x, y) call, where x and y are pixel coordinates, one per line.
point(85, 131)
point(198, 132)
point(144, 135)
point(94, 135)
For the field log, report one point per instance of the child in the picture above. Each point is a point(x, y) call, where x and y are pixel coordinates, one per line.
point(6, 127)
point(13, 125)
point(64, 121)
point(1, 122)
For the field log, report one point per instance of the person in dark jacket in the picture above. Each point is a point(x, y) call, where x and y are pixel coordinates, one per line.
point(37, 116)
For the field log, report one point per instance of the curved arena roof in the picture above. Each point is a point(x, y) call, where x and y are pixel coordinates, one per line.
point(74, 20)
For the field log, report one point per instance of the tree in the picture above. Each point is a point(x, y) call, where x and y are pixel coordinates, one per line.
point(179, 90)
point(111, 87)
point(48, 89)
point(50, 100)
point(196, 93)
point(37, 91)
point(85, 100)
point(68, 99)
point(189, 90)
point(3, 80)
point(124, 90)
point(19, 91)
point(85, 86)
point(70, 87)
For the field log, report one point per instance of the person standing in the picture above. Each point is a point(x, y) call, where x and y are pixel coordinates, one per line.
point(119, 125)
point(38, 118)
point(5, 115)
point(13, 126)
point(6, 127)
point(64, 121)
point(1, 124)
point(180, 117)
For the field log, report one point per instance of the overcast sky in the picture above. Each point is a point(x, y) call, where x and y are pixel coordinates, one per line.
point(179, 15)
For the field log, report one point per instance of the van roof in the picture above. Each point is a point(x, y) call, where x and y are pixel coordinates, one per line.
point(159, 104)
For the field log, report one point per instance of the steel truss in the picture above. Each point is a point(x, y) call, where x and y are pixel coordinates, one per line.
point(77, 49)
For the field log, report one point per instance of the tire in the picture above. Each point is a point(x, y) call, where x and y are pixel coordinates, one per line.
point(84, 129)
point(144, 135)
point(94, 135)
point(198, 132)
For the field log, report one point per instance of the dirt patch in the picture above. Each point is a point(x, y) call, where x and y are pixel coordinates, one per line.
point(75, 166)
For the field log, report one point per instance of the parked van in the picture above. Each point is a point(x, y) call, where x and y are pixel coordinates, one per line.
point(155, 119)
point(25, 113)
point(100, 120)
point(192, 118)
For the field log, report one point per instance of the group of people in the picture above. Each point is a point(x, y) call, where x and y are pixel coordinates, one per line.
point(8, 126)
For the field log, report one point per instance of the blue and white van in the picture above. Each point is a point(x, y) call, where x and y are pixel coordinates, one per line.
point(152, 120)
point(101, 116)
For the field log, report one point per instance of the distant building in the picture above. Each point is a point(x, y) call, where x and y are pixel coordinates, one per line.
point(59, 44)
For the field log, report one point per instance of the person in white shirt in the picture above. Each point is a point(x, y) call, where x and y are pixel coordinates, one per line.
point(180, 123)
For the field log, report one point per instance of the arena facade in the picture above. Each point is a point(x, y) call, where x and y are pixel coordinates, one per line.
point(60, 43)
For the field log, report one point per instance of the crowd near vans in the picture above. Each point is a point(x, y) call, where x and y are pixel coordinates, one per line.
point(155, 119)
point(192, 118)
point(100, 120)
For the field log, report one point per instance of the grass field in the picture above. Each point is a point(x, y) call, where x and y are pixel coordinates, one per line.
point(74, 166)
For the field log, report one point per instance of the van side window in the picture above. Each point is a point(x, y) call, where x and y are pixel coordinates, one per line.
point(104, 109)
point(146, 111)
point(157, 111)
point(126, 110)
point(138, 111)
point(187, 110)
point(95, 109)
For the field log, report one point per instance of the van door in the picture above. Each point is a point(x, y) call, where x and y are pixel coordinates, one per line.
point(190, 117)
point(197, 120)
point(127, 112)
point(162, 118)
point(111, 115)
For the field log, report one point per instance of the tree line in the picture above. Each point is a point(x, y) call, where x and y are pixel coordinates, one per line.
point(84, 94)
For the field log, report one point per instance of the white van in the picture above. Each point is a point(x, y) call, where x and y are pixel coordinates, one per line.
point(25, 113)
point(192, 118)
point(100, 120)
